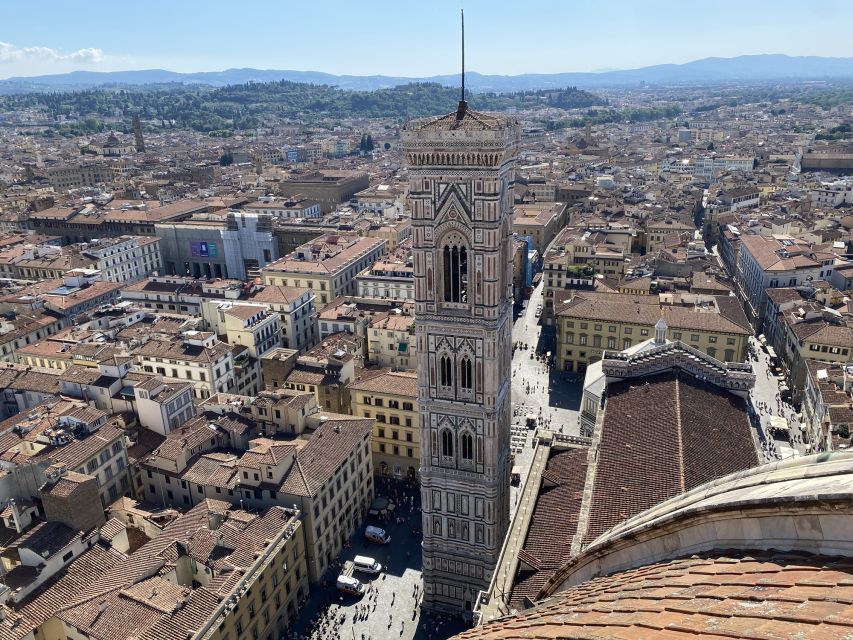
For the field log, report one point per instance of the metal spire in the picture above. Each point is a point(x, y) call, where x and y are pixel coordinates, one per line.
point(463, 106)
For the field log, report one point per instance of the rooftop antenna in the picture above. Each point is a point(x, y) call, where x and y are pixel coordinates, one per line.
point(463, 106)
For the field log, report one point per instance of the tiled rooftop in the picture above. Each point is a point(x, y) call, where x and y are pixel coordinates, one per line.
point(659, 439)
point(765, 596)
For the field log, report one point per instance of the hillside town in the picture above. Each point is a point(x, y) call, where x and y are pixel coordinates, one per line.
point(241, 378)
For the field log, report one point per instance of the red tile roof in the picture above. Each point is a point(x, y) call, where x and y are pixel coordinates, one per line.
point(661, 436)
point(763, 596)
point(552, 525)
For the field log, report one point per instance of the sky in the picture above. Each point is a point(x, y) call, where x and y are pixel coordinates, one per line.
point(408, 37)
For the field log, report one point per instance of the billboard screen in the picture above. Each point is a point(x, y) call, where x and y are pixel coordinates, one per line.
point(203, 249)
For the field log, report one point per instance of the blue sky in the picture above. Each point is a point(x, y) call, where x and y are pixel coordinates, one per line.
point(406, 37)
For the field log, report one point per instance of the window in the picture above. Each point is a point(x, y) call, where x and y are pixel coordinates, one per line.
point(466, 446)
point(447, 443)
point(465, 373)
point(455, 259)
point(445, 371)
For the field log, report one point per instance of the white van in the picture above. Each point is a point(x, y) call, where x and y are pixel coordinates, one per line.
point(366, 564)
point(352, 586)
point(375, 534)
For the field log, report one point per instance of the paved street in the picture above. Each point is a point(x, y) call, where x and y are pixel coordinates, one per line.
point(538, 389)
point(391, 609)
point(764, 400)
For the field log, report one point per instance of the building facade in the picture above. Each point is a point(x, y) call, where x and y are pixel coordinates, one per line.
point(461, 167)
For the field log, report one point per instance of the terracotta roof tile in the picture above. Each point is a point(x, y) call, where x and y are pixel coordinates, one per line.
point(634, 605)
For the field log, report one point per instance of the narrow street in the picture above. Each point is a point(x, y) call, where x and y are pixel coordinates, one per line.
point(551, 396)
point(767, 405)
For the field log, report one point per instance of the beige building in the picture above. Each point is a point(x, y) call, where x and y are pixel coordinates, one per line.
point(195, 356)
point(254, 326)
point(327, 265)
point(214, 573)
point(326, 472)
point(588, 323)
point(391, 340)
point(573, 261)
point(393, 233)
point(328, 187)
point(295, 307)
point(391, 399)
point(392, 277)
point(541, 222)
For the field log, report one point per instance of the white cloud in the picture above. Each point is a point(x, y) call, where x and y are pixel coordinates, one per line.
point(11, 54)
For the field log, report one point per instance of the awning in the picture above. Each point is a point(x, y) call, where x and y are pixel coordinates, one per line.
point(779, 423)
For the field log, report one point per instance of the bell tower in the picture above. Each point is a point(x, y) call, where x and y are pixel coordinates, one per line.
point(461, 168)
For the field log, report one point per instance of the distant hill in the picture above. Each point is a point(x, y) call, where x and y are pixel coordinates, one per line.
point(246, 105)
point(771, 67)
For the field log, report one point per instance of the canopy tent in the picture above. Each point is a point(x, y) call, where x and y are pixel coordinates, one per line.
point(778, 423)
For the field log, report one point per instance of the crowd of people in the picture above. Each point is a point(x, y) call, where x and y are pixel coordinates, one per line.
point(778, 407)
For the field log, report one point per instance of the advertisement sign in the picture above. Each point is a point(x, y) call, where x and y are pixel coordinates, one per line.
point(203, 249)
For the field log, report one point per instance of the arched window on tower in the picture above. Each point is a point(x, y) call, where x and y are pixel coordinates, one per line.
point(466, 446)
point(447, 443)
point(466, 374)
point(445, 367)
point(455, 262)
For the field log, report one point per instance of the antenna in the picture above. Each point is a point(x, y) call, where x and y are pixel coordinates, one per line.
point(462, 12)
point(463, 106)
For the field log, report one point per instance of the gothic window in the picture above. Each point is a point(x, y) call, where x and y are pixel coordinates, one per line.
point(466, 378)
point(455, 260)
point(466, 446)
point(445, 366)
point(447, 443)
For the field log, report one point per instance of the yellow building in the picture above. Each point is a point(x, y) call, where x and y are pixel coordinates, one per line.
point(327, 265)
point(588, 323)
point(391, 399)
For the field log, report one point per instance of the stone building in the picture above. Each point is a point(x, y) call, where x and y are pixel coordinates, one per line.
point(461, 166)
